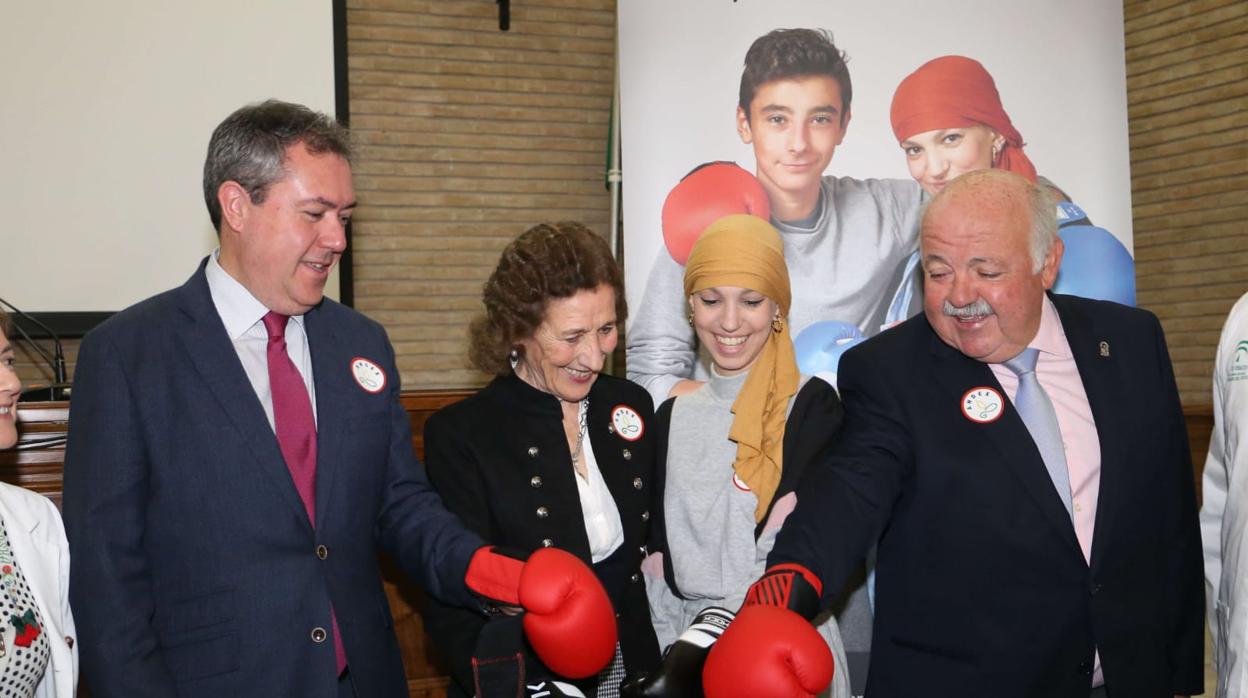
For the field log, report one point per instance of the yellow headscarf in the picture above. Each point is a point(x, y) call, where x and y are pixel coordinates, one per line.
point(746, 252)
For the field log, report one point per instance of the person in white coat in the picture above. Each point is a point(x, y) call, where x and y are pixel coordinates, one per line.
point(1224, 514)
point(37, 654)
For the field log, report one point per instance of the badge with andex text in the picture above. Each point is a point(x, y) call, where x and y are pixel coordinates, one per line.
point(982, 405)
point(368, 375)
point(627, 422)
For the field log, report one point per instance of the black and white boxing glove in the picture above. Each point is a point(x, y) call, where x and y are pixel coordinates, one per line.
point(680, 673)
point(550, 688)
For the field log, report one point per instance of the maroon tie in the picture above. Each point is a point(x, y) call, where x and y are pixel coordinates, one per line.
point(296, 432)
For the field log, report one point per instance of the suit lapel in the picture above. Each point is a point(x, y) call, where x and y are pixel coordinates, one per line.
point(1015, 449)
point(1099, 375)
point(617, 471)
point(203, 338)
point(330, 372)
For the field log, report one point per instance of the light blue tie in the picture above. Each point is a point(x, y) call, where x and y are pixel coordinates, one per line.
point(1037, 412)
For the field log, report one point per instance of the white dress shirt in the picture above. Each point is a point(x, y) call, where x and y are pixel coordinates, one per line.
point(243, 317)
point(602, 516)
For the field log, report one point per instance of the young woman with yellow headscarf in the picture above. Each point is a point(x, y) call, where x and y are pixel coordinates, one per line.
point(730, 454)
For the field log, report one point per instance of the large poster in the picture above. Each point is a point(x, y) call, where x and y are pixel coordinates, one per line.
point(1058, 70)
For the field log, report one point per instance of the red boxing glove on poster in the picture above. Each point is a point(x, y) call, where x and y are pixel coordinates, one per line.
point(710, 192)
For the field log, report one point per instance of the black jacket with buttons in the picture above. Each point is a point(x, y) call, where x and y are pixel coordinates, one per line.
point(501, 463)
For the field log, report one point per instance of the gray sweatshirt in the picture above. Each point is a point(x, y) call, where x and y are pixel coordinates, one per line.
point(710, 522)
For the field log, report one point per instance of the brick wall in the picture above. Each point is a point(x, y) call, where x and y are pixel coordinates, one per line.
point(1187, 95)
point(468, 135)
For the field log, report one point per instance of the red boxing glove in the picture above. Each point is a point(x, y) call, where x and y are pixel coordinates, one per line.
point(710, 192)
point(568, 618)
point(767, 651)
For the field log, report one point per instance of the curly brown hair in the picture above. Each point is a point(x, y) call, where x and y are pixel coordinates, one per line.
point(547, 262)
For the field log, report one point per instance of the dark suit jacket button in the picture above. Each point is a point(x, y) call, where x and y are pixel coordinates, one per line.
point(546, 542)
point(533, 451)
point(1096, 588)
point(318, 634)
point(636, 483)
point(634, 578)
point(1085, 668)
point(628, 455)
point(645, 516)
point(322, 552)
point(535, 481)
point(542, 512)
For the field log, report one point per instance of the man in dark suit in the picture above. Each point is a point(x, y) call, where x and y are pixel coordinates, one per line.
point(1014, 559)
point(239, 453)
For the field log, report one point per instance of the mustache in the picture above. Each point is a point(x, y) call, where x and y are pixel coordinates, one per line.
point(979, 308)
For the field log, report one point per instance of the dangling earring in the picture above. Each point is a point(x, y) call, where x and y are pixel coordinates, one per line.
point(996, 150)
point(691, 319)
point(514, 358)
point(777, 324)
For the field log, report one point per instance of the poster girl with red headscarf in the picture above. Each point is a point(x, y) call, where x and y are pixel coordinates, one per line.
point(948, 118)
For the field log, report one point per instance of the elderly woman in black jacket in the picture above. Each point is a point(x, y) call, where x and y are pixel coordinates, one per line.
point(552, 452)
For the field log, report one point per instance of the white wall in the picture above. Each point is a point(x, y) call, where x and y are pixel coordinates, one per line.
point(105, 113)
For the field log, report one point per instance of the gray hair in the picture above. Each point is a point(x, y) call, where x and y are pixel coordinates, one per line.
point(1041, 202)
point(249, 147)
point(1043, 223)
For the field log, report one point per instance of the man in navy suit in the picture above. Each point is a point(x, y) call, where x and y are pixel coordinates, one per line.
point(1013, 560)
point(209, 557)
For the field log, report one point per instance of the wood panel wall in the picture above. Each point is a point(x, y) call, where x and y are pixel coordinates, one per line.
point(467, 136)
point(1187, 96)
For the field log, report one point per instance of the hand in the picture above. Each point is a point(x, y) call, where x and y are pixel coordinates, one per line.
point(568, 618)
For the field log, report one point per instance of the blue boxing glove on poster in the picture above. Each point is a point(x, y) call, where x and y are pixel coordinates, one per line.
point(1095, 264)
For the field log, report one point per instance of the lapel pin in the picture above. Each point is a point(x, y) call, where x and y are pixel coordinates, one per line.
point(1104, 348)
point(368, 375)
point(982, 405)
point(627, 423)
point(739, 483)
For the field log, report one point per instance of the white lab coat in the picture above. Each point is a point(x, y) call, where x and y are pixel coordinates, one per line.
point(37, 538)
point(1224, 514)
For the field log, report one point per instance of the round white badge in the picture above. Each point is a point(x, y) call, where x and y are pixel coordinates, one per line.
point(982, 405)
point(740, 484)
point(368, 375)
point(627, 422)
